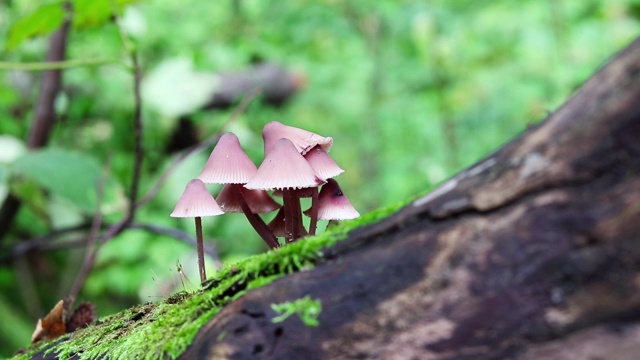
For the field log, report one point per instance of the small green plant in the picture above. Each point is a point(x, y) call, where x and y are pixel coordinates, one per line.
point(307, 309)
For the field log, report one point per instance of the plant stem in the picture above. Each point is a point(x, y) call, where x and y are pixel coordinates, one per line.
point(200, 249)
point(255, 220)
point(314, 212)
point(292, 215)
point(57, 65)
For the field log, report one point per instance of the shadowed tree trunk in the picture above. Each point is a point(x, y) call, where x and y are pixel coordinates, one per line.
point(532, 253)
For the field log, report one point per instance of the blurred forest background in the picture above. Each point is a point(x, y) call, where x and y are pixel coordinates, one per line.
point(411, 92)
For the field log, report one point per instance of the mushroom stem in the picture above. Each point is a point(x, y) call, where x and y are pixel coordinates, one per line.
point(292, 215)
point(200, 249)
point(255, 220)
point(314, 212)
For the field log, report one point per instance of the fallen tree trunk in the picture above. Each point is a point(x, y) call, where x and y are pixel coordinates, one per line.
point(532, 253)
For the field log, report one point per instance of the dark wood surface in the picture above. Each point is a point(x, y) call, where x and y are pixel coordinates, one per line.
point(532, 253)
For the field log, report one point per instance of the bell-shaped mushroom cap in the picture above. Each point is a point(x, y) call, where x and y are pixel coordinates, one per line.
point(322, 163)
point(302, 139)
point(259, 201)
point(228, 163)
point(196, 202)
point(333, 204)
point(284, 168)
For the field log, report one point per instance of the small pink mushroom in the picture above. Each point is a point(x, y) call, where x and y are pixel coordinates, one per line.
point(196, 202)
point(303, 140)
point(229, 164)
point(333, 204)
point(284, 168)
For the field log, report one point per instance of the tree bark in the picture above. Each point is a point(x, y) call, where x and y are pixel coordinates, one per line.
point(532, 253)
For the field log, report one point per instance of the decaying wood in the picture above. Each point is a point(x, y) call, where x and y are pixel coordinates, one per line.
point(533, 253)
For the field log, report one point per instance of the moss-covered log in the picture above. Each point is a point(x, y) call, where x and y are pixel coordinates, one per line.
point(532, 253)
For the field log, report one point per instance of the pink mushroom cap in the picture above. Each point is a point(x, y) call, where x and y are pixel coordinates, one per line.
point(322, 163)
point(196, 201)
point(284, 168)
point(303, 140)
point(333, 204)
point(228, 163)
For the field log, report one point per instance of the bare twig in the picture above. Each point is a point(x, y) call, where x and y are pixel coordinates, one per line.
point(45, 242)
point(57, 65)
point(91, 248)
point(180, 235)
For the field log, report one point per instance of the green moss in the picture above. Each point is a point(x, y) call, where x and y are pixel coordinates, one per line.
point(308, 310)
point(141, 332)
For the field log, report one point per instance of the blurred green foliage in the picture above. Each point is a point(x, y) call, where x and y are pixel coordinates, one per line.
point(411, 91)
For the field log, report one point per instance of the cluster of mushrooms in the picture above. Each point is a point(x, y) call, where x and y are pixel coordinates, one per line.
point(295, 165)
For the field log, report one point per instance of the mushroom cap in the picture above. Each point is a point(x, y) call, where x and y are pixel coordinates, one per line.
point(196, 201)
point(228, 163)
point(333, 204)
point(322, 163)
point(284, 168)
point(302, 139)
point(258, 200)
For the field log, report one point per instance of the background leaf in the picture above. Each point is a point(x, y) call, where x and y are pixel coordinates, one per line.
point(44, 20)
point(68, 174)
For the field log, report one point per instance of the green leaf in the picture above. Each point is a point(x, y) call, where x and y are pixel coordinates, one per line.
point(89, 13)
point(46, 18)
point(70, 175)
point(42, 21)
point(33, 197)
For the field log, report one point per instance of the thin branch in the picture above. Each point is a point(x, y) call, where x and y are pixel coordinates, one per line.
point(182, 236)
point(91, 249)
point(40, 243)
point(45, 242)
point(92, 246)
point(137, 134)
point(137, 121)
point(57, 65)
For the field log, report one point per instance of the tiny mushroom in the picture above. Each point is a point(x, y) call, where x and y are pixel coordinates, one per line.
point(196, 202)
point(333, 204)
point(322, 163)
point(326, 168)
point(303, 140)
point(285, 168)
point(228, 164)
